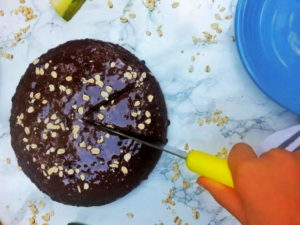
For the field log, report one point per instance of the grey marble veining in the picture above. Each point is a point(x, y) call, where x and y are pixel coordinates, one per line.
point(189, 95)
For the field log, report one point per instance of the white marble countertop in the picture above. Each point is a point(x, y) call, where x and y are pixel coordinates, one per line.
point(189, 95)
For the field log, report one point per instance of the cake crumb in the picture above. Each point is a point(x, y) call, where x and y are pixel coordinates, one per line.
point(1, 12)
point(191, 68)
point(148, 33)
point(129, 215)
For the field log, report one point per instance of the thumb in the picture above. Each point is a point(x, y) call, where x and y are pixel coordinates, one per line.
point(225, 196)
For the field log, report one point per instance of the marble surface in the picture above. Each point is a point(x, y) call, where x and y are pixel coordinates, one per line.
point(189, 95)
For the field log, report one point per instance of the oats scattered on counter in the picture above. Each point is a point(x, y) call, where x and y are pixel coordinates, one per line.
point(186, 184)
point(18, 35)
point(130, 215)
point(215, 118)
point(132, 15)
point(193, 58)
point(176, 171)
point(1, 12)
point(208, 38)
point(177, 220)
point(175, 4)
point(148, 33)
point(27, 12)
point(8, 160)
point(22, 2)
point(222, 9)
point(223, 153)
point(32, 220)
point(200, 121)
point(110, 4)
point(159, 31)
point(217, 16)
point(207, 69)
point(228, 17)
point(169, 199)
point(124, 19)
point(191, 68)
point(233, 38)
point(46, 217)
point(42, 203)
point(196, 214)
point(33, 209)
point(150, 4)
point(215, 27)
point(186, 146)
point(6, 55)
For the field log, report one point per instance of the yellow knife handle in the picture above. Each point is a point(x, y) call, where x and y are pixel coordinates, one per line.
point(209, 166)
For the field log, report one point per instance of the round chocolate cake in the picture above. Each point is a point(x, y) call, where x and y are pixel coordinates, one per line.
point(59, 110)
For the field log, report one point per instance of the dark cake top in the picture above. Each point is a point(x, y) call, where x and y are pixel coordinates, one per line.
point(58, 106)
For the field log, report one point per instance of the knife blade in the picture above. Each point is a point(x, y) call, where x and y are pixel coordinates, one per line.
point(171, 150)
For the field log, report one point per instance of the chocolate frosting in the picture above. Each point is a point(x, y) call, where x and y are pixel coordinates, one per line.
point(60, 104)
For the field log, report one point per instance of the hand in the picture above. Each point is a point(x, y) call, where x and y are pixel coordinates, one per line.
point(266, 189)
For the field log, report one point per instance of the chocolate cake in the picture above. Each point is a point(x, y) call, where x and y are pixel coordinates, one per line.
point(59, 109)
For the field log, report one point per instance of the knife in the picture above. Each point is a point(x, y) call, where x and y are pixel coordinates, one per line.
point(199, 162)
point(288, 139)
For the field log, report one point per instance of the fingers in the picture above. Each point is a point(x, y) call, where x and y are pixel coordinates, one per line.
point(225, 196)
point(297, 154)
point(239, 154)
